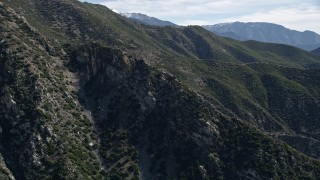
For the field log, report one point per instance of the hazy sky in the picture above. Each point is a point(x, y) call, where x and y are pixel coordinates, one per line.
point(294, 14)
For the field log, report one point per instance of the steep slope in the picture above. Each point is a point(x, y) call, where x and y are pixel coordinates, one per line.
point(45, 134)
point(195, 42)
point(142, 18)
point(267, 32)
point(84, 95)
point(278, 100)
point(144, 108)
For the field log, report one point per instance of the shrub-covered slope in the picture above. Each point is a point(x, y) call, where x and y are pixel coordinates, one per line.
point(85, 94)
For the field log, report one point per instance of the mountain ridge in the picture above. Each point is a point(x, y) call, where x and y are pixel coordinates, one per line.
point(93, 95)
point(145, 19)
point(267, 32)
point(307, 40)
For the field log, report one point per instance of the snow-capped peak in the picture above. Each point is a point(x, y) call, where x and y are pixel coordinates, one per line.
point(128, 15)
point(116, 11)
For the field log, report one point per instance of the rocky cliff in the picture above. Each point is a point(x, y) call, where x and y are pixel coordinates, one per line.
point(86, 94)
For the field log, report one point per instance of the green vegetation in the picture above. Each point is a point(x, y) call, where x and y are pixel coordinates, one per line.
point(92, 95)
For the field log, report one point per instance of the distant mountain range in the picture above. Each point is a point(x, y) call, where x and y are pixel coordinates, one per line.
point(142, 18)
point(267, 32)
point(258, 31)
point(316, 51)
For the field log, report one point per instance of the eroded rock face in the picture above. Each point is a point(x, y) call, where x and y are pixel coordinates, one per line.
point(18, 116)
point(147, 106)
point(5, 105)
point(175, 133)
point(38, 115)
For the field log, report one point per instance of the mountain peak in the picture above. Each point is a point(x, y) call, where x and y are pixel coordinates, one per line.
point(145, 19)
point(267, 32)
